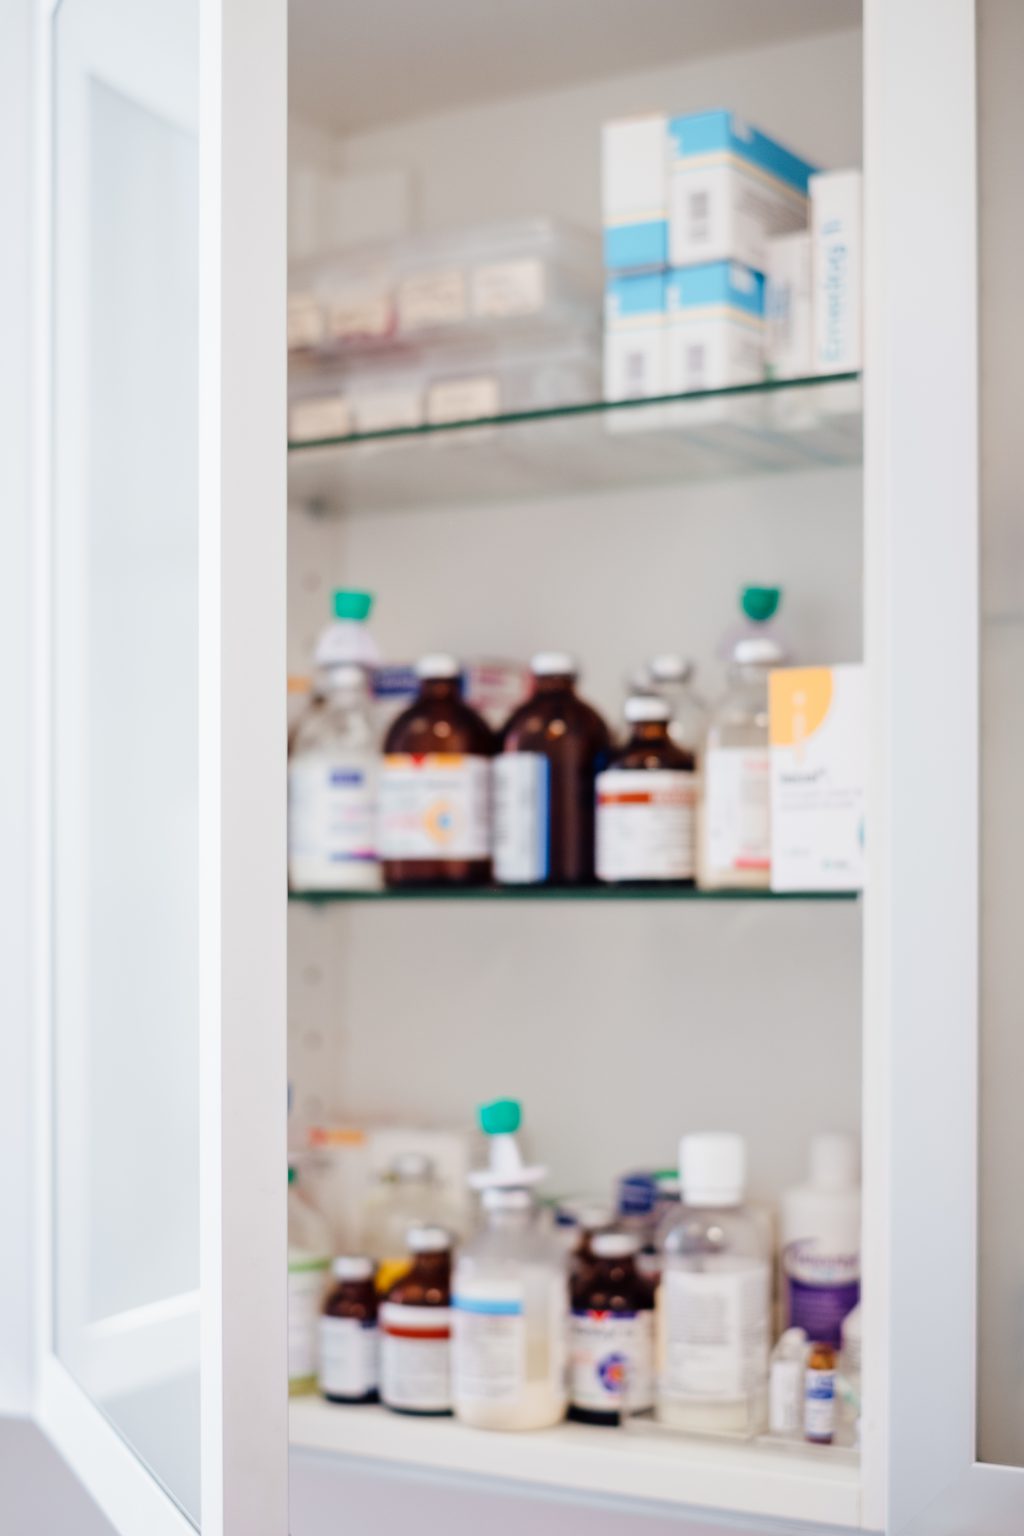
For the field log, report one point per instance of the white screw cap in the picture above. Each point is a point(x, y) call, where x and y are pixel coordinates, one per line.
point(646, 707)
point(437, 664)
point(713, 1168)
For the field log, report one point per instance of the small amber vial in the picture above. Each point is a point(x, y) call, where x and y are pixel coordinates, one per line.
point(820, 1395)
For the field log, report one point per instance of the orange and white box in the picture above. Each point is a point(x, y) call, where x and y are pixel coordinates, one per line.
point(817, 730)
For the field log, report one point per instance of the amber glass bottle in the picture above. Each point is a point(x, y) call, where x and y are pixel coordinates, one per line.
point(552, 748)
point(415, 1329)
point(646, 801)
point(348, 1334)
point(611, 1334)
point(434, 818)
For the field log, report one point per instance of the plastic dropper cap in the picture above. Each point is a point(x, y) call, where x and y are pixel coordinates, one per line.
point(647, 707)
point(713, 1168)
point(834, 1161)
point(500, 1120)
point(554, 664)
point(502, 1117)
point(350, 604)
point(760, 603)
point(437, 664)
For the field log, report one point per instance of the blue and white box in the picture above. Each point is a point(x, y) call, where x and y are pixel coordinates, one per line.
point(836, 270)
point(715, 327)
point(731, 189)
point(634, 193)
point(634, 336)
point(789, 327)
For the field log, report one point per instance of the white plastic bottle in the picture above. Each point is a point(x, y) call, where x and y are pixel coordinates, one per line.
point(332, 789)
point(734, 816)
point(715, 1297)
point(820, 1237)
point(509, 1319)
point(309, 1257)
point(787, 1385)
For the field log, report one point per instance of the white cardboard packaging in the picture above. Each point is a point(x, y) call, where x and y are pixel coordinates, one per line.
point(730, 189)
point(789, 329)
point(635, 337)
point(836, 270)
point(715, 327)
point(817, 722)
point(634, 193)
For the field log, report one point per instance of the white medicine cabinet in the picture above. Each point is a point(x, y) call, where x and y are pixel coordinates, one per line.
point(185, 552)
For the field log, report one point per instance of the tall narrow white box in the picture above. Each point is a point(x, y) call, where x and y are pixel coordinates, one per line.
point(634, 193)
point(789, 328)
point(836, 270)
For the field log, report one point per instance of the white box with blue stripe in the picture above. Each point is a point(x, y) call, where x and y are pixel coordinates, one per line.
point(731, 188)
point(634, 193)
point(714, 334)
point(635, 336)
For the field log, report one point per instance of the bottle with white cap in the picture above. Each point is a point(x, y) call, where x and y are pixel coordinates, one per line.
point(510, 1296)
point(415, 1329)
point(670, 676)
point(551, 749)
point(611, 1333)
point(715, 1297)
point(348, 1333)
point(434, 824)
point(333, 764)
point(734, 842)
point(646, 801)
point(821, 1241)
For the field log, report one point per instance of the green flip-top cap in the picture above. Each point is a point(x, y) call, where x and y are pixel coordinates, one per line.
point(501, 1117)
point(760, 603)
point(349, 604)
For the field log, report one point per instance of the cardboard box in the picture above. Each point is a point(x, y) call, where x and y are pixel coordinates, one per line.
point(818, 719)
point(634, 193)
point(836, 270)
point(731, 189)
point(789, 329)
point(715, 327)
point(634, 337)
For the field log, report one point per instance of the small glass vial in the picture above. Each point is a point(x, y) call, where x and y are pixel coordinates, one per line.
point(646, 801)
point(715, 1297)
point(415, 1329)
point(611, 1334)
point(786, 1384)
point(820, 1395)
point(348, 1334)
point(671, 677)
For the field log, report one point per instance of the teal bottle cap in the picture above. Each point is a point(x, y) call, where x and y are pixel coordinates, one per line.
point(349, 604)
point(760, 603)
point(501, 1117)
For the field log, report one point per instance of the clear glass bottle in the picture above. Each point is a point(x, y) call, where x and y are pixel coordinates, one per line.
point(671, 678)
point(714, 1302)
point(510, 1318)
point(734, 820)
point(406, 1195)
point(309, 1257)
point(332, 789)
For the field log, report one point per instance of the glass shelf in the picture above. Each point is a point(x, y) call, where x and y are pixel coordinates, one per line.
point(565, 893)
point(752, 429)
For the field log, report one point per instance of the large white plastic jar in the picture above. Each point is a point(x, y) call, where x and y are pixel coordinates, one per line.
point(510, 1319)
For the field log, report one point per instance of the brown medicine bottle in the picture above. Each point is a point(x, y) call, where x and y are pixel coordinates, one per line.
point(611, 1333)
point(434, 814)
point(646, 802)
point(348, 1334)
point(415, 1329)
point(820, 1394)
point(553, 746)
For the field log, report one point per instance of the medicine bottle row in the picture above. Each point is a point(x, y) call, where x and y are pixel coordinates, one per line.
point(661, 1306)
point(549, 798)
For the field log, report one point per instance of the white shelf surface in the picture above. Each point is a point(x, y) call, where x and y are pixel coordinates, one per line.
point(815, 1484)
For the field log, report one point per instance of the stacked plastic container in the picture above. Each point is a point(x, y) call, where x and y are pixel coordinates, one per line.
point(443, 328)
point(690, 205)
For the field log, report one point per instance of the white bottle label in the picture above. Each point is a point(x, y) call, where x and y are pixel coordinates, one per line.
point(331, 816)
point(785, 1396)
point(612, 1361)
point(737, 808)
point(435, 807)
point(415, 1358)
point(645, 824)
point(488, 1343)
point(716, 1331)
point(306, 1279)
point(521, 818)
point(820, 1405)
point(348, 1357)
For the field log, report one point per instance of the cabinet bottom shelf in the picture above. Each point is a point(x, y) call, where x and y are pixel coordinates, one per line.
point(750, 1478)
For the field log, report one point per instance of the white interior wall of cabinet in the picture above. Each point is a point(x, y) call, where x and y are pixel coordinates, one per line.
point(623, 1025)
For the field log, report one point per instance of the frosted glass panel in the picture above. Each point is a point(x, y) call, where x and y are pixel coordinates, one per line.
point(1001, 1235)
point(124, 725)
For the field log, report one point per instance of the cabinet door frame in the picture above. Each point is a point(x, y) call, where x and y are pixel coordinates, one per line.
point(921, 992)
point(241, 119)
